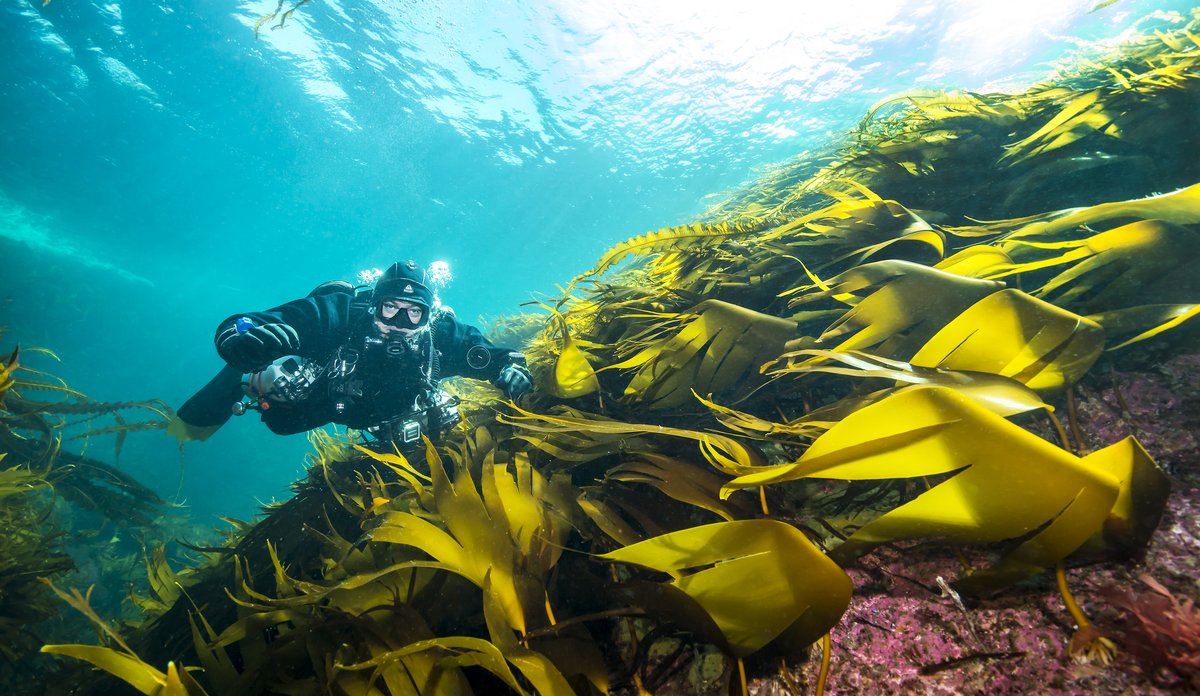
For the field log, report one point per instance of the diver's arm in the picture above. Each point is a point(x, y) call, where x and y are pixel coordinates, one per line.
point(309, 327)
point(466, 352)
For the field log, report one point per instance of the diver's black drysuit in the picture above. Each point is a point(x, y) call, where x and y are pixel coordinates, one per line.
point(366, 380)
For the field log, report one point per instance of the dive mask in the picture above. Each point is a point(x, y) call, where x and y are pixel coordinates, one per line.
point(401, 314)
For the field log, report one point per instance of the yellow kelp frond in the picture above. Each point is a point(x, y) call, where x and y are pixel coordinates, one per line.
point(1144, 488)
point(165, 584)
point(1142, 260)
point(579, 656)
point(1011, 334)
point(7, 372)
point(19, 479)
point(1083, 116)
point(1180, 207)
point(676, 478)
point(328, 447)
point(573, 375)
point(936, 106)
point(445, 654)
point(1001, 395)
point(403, 469)
point(122, 662)
point(1004, 482)
point(1148, 260)
point(908, 305)
point(669, 239)
point(1145, 321)
point(568, 446)
point(755, 578)
point(750, 425)
point(852, 231)
point(509, 529)
point(623, 513)
point(722, 451)
point(718, 351)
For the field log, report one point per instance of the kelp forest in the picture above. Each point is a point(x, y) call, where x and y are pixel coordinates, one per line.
point(915, 413)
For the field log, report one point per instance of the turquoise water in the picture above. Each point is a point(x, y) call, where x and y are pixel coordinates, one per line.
point(161, 167)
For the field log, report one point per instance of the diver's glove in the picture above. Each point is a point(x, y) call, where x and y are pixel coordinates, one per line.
point(257, 346)
point(515, 380)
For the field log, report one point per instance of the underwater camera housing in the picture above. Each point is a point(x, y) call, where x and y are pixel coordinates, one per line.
point(287, 380)
point(407, 430)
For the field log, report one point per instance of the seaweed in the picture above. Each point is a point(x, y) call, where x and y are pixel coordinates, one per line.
point(711, 461)
point(38, 475)
point(1162, 629)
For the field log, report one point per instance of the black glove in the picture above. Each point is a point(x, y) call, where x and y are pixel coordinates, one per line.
point(254, 348)
point(515, 380)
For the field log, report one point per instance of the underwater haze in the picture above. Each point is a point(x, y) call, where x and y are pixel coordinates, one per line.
point(164, 165)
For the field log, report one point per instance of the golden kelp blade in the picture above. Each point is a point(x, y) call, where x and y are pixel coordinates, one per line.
point(185, 432)
point(909, 305)
point(668, 239)
point(851, 231)
point(121, 662)
point(1142, 498)
point(139, 675)
point(1011, 334)
point(1148, 260)
point(452, 652)
point(676, 478)
point(573, 373)
point(748, 424)
point(545, 677)
point(756, 578)
point(1147, 321)
point(1001, 395)
point(504, 530)
point(1006, 482)
point(719, 350)
point(1181, 207)
point(722, 451)
point(1082, 117)
point(164, 583)
point(978, 261)
point(7, 370)
point(1117, 268)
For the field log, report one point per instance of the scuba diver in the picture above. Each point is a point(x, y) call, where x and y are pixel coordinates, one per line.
point(367, 358)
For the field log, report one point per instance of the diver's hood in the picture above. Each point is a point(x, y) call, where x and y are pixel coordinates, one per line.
point(403, 281)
